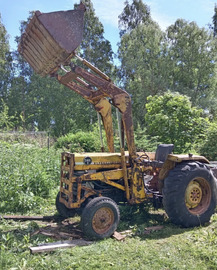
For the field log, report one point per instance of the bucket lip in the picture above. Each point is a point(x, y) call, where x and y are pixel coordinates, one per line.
point(80, 7)
point(38, 13)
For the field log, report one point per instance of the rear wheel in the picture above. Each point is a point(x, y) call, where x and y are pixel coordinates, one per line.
point(189, 194)
point(62, 209)
point(100, 218)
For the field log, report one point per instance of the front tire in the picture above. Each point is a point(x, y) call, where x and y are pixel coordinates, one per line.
point(62, 209)
point(189, 194)
point(100, 218)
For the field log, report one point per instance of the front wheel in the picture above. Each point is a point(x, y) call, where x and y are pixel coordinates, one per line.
point(100, 218)
point(189, 194)
point(62, 209)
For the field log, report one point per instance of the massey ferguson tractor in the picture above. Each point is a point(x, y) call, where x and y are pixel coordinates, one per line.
point(94, 184)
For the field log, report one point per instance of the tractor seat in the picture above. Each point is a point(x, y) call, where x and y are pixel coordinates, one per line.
point(163, 150)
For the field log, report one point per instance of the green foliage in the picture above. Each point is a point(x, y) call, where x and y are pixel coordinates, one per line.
point(27, 174)
point(4, 46)
point(183, 59)
point(94, 47)
point(145, 142)
point(90, 141)
point(56, 108)
point(80, 142)
point(207, 147)
point(5, 120)
point(39, 139)
point(5, 61)
point(142, 65)
point(191, 58)
point(172, 118)
point(133, 15)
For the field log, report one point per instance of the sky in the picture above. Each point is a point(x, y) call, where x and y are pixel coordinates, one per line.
point(164, 12)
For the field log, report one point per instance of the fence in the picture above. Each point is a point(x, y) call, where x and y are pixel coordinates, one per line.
point(39, 138)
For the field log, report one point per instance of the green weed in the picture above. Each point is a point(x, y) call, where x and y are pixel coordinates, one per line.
point(27, 177)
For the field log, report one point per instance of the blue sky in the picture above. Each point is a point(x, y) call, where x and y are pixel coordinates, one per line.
point(165, 12)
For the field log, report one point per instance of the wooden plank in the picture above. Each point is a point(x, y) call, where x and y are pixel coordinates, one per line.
point(60, 244)
point(119, 236)
point(56, 233)
point(24, 218)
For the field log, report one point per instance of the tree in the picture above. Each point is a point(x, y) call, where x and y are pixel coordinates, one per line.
point(142, 66)
point(5, 62)
point(94, 47)
point(173, 119)
point(57, 108)
point(141, 52)
point(133, 15)
point(214, 20)
point(19, 95)
point(5, 120)
point(191, 57)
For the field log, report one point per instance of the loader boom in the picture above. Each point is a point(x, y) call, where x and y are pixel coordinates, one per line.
point(104, 93)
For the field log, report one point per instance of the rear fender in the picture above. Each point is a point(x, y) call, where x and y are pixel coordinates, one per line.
point(173, 159)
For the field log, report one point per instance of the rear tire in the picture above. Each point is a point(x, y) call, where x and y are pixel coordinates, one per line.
point(62, 209)
point(100, 218)
point(189, 194)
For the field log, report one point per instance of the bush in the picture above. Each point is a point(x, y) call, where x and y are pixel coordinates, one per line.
point(27, 174)
point(90, 141)
point(80, 142)
point(208, 147)
point(173, 119)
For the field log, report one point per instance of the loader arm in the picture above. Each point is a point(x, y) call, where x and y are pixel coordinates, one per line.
point(81, 81)
point(49, 43)
point(101, 105)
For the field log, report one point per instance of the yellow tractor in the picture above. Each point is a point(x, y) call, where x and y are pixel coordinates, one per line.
point(93, 184)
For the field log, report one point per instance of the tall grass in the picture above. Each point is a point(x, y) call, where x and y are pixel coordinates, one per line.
point(28, 174)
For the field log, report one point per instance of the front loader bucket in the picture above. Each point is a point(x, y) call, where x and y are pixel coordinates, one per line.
point(50, 39)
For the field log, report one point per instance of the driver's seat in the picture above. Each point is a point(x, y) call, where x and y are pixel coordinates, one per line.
point(163, 150)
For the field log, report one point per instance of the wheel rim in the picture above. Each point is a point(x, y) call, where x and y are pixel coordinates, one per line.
point(198, 196)
point(102, 220)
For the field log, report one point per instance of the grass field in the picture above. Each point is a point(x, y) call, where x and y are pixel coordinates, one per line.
point(169, 248)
